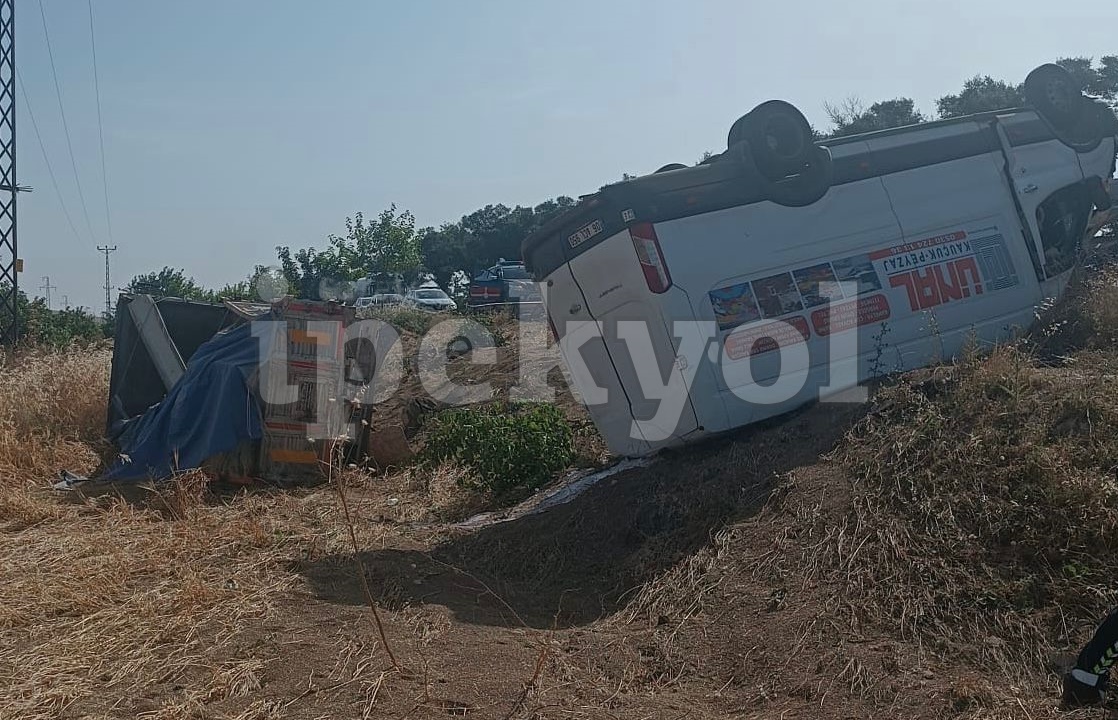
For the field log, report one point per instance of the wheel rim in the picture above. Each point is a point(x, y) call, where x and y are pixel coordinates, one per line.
point(783, 137)
point(1057, 93)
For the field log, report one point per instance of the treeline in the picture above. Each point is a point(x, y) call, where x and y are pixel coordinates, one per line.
point(981, 93)
point(42, 326)
point(390, 243)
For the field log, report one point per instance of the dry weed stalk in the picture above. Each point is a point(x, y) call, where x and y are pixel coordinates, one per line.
point(336, 479)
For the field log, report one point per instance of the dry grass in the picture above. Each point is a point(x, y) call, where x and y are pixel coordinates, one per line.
point(52, 412)
point(110, 600)
point(986, 499)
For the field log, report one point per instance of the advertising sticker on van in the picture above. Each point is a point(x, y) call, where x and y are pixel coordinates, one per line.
point(851, 314)
point(949, 267)
point(765, 337)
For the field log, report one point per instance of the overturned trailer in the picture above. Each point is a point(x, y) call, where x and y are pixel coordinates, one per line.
point(247, 390)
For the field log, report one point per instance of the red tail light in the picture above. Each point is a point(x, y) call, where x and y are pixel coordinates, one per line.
point(651, 259)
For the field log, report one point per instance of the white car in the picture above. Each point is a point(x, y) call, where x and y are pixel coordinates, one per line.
point(380, 300)
point(430, 297)
point(700, 299)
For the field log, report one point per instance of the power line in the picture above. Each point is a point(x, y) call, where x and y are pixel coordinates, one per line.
point(46, 159)
point(100, 125)
point(65, 125)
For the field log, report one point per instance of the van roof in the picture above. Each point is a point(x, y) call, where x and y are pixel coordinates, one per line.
point(716, 184)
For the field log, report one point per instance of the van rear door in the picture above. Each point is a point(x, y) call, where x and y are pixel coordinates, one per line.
point(628, 289)
point(587, 360)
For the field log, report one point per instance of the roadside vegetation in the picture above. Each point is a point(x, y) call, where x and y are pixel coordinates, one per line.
point(510, 447)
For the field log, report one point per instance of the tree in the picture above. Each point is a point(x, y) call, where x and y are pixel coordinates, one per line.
point(445, 251)
point(169, 282)
point(484, 236)
point(851, 116)
point(58, 328)
point(981, 93)
point(1101, 81)
point(41, 326)
point(388, 244)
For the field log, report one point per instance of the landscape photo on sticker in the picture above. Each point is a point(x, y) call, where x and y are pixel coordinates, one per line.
point(791, 292)
point(777, 295)
point(858, 269)
point(734, 305)
point(817, 284)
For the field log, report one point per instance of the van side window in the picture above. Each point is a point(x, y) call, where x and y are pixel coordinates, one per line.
point(1062, 220)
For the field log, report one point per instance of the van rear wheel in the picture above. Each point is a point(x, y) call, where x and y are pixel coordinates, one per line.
point(1055, 94)
point(779, 137)
point(1096, 121)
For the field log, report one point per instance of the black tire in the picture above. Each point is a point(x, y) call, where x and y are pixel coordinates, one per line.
point(671, 166)
point(458, 346)
point(1096, 121)
point(1055, 94)
point(779, 137)
point(1100, 198)
point(806, 187)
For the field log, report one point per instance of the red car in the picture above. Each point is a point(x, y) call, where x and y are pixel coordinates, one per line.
point(506, 283)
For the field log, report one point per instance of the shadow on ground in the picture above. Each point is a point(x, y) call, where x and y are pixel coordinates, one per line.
point(581, 561)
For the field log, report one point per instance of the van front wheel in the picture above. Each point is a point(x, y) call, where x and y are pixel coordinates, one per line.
point(809, 185)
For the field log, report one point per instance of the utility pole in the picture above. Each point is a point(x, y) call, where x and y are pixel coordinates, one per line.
point(47, 287)
point(108, 285)
point(9, 258)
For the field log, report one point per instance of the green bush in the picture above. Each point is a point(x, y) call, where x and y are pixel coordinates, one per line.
point(413, 320)
point(509, 446)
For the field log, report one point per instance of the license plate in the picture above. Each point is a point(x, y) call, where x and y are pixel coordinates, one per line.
point(585, 233)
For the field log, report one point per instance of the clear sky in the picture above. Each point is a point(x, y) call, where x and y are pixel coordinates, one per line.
point(233, 126)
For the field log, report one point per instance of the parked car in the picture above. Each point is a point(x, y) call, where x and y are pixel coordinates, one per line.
point(429, 296)
point(377, 284)
point(380, 300)
point(863, 255)
point(506, 283)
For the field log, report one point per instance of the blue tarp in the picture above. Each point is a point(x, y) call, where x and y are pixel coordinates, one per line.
point(210, 410)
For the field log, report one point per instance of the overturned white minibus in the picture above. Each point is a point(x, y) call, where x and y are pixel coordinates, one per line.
point(699, 299)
